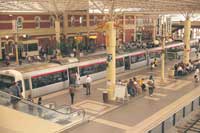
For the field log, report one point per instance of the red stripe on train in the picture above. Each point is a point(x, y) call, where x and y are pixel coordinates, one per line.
point(44, 74)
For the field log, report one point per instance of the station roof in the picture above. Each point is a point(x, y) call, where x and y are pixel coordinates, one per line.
point(102, 6)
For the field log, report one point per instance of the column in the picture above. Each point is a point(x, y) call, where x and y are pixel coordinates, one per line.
point(154, 30)
point(57, 31)
point(16, 48)
point(111, 69)
point(187, 27)
point(0, 50)
point(124, 29)
point(163, 60)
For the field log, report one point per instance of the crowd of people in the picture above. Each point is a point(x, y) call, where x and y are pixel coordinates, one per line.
point(183, 69)
point(136, 87)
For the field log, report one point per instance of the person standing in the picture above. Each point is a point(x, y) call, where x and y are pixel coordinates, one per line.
point(39, 108)
point(88, 84)
point(72, 93)
point(151, 85)
point(16, 94)
point(196, 75)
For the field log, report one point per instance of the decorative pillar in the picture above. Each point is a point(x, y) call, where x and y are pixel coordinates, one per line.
point(163, 60)
point(16, 48)
point(154, 30)
point(187, 27)
point(124, 29)
point(111, 69)
point(57, 31)
point(0, 50)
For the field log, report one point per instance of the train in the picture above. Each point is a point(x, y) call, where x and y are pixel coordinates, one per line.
point(42, 79)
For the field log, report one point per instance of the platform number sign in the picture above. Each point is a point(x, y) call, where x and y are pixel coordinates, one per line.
point(109, 57)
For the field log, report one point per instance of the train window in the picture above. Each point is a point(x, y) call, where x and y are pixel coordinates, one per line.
point(92, 69)
point(65, 77)
point(26, 83)
point(32, 47)
point(155, 55)
point(6, 81)
point(141, 58)
point(119, 62)
point(133, 59)
point(49, 79)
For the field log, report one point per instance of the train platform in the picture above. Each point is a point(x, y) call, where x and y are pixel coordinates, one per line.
point(118, 117)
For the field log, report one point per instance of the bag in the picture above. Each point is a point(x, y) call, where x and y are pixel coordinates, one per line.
point(84, 85)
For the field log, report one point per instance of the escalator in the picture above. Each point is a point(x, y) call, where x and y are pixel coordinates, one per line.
point(66, 118)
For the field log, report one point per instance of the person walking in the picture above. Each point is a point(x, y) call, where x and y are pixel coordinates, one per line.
point(39, 108)
point(72, 93)
point(14, 90)
point(88, 84)
point(196, 75)
point(151, 85)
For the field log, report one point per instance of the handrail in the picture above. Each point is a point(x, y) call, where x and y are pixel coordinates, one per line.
point(57, 116)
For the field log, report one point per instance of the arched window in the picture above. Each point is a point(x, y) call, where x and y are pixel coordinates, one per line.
point(95, 20)
point(72, 20)
point(81, 20)
point(19, 22)
point(37, 22)
point(52, 21)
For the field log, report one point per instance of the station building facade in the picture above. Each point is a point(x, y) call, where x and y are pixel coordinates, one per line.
point(34, 28)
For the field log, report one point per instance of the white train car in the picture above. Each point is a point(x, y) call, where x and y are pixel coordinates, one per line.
point(39, 80)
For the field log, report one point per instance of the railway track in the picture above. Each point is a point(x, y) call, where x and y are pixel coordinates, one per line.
point(191, 125)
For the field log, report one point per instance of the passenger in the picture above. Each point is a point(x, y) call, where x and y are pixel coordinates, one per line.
point(155, 62)
point(136, 86)
point(15, 91)
point(72, 93)
point(40, 108)
point(151, 85)
point(77, 82)
point(88, 84)
point(196, 75)
point(130, 88)
point(142, 84)
point(152, 66)
point(180, 70)
point(119, 82)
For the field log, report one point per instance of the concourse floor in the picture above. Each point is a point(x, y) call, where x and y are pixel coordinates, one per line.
point(118, 117)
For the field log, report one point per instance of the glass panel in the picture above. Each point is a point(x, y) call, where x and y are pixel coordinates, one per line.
point(92, 69)
point(141, 58)
point(45, 80)
point(119, 63)
point(6, 82)
point(133, 59)
point(32, 47)
point(179, 115)
point(157, 129)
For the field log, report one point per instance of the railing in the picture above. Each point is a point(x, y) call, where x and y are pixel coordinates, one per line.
point(67, 119)
point(166, 118)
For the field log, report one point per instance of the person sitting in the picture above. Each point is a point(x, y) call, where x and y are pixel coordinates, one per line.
point(180, 70)
point(142, 84)
point(130, 88)
point(155, 62)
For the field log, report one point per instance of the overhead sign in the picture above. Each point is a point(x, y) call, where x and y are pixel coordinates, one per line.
point(109, 57)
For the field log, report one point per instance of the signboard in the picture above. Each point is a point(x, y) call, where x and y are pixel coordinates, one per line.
point(109, 57)
point(120, 91)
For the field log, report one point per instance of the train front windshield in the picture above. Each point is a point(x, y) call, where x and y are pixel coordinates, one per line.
point(5, 82)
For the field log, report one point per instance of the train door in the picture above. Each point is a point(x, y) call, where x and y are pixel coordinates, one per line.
point(127, 63)
point(72, 75)
point(3, 52)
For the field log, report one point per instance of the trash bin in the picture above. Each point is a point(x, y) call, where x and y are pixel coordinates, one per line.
point(105, 96)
